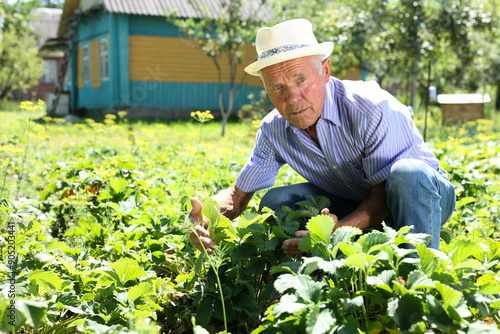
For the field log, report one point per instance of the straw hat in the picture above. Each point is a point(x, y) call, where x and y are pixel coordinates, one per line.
point(286, 40)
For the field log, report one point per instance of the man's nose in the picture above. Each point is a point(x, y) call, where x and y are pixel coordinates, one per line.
point(294, 95)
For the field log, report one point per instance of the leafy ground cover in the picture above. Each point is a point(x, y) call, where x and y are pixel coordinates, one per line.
point(93, 239)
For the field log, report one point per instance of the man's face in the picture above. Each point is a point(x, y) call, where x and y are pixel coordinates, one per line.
point(297, 89)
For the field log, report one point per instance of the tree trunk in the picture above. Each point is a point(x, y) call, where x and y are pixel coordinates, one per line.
point(497, 100)
point(414, 76)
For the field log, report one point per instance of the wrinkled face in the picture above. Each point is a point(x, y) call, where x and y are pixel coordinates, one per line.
point(297, 89)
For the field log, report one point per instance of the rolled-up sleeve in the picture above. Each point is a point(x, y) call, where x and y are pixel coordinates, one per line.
point(261, 168)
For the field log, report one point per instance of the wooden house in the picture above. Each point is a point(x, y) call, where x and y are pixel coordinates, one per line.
point(44, 25)
point(462, 107)
point(125, 55)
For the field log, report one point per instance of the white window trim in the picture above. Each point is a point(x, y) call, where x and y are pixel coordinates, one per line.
point(104, 58)
point(86, 63)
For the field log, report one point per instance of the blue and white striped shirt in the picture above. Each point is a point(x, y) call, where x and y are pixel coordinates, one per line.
point(362, 131)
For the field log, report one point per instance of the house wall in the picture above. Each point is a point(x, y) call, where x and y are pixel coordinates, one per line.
point(93, 93)
point(39, 92)
point(150, 67)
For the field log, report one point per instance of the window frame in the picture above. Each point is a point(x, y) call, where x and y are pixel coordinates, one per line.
point(104, 58)
point(86, 63)
point(50, 72)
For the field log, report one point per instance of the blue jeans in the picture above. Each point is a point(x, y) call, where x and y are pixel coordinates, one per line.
point(416, 195)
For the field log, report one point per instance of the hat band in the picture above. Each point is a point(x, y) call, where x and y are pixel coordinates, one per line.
point(281, 49)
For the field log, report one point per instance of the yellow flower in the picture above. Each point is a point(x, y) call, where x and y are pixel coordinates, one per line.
point(122, 113)
point(202, 117)
point(110, 116)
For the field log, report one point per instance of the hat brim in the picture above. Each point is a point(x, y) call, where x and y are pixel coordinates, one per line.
point(324, 49)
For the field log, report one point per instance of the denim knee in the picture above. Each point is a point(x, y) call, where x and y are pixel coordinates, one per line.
point(273, 199)
point(406, 173)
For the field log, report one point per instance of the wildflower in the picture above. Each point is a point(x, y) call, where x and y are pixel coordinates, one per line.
point(109, 121)
point(110, 116)
point(122, 113)
point(32, 107)
point(202, 117)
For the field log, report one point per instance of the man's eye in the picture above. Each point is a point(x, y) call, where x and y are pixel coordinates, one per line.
point(277, 87)
point(302, 79)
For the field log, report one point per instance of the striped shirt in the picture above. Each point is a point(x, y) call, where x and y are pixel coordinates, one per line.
point(362, 131)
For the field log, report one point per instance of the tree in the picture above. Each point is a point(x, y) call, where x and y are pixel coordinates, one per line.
point(20, 66)
point(223, 34)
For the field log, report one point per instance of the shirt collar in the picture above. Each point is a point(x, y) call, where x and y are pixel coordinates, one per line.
point(330, 110)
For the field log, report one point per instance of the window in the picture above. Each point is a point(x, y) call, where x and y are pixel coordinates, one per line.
point(50, 75)
point(85, 63)
point(67, 76)
point(104, 58)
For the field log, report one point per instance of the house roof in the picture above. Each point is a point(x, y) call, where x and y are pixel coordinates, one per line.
point(183, 8)
point(463, 98)
point(45, 24)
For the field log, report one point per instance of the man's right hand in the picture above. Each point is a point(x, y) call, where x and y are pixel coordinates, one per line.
point(201, 235)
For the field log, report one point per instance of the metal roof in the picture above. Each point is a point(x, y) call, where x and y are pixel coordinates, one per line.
point(463, 98)
point(183, 8)
point(254, 9)
point(45, 24)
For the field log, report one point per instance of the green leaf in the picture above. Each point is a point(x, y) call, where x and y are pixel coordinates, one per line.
point(372, 239)
point(321, 228)
point(464, 201)
point(350, 305)
point(349, 248)
point(418, 280)
point(360, 260)
point(205, 310)
point(428, 261)
point(198, 266)
point(291, 227)
point(33, 311)
point(139, 290)
point(285, 282)
point(465, 249)
point(482, 328)
point(279, 233)
point(450, 296)
point(45, 278)
point(469, 263)
point(267, 245)
point(405, 311)
point(319, 321)
point(118, 185)
point(344, 233)
point(490, 288)
point(127, 270)
point(210, 209)
point(288, 304)
point(9, 320)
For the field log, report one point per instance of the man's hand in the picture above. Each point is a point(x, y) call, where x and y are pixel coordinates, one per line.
point(291, 246)
point(196, 217)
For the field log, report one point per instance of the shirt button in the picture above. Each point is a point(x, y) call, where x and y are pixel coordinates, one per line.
point(333, 167)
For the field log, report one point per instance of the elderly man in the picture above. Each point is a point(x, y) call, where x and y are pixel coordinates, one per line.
point(352, 141)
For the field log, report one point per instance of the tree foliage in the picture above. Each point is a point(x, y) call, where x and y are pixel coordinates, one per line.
point(20, 66)
point(397, 40)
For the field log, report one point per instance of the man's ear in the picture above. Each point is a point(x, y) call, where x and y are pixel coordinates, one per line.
point(326, 69)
